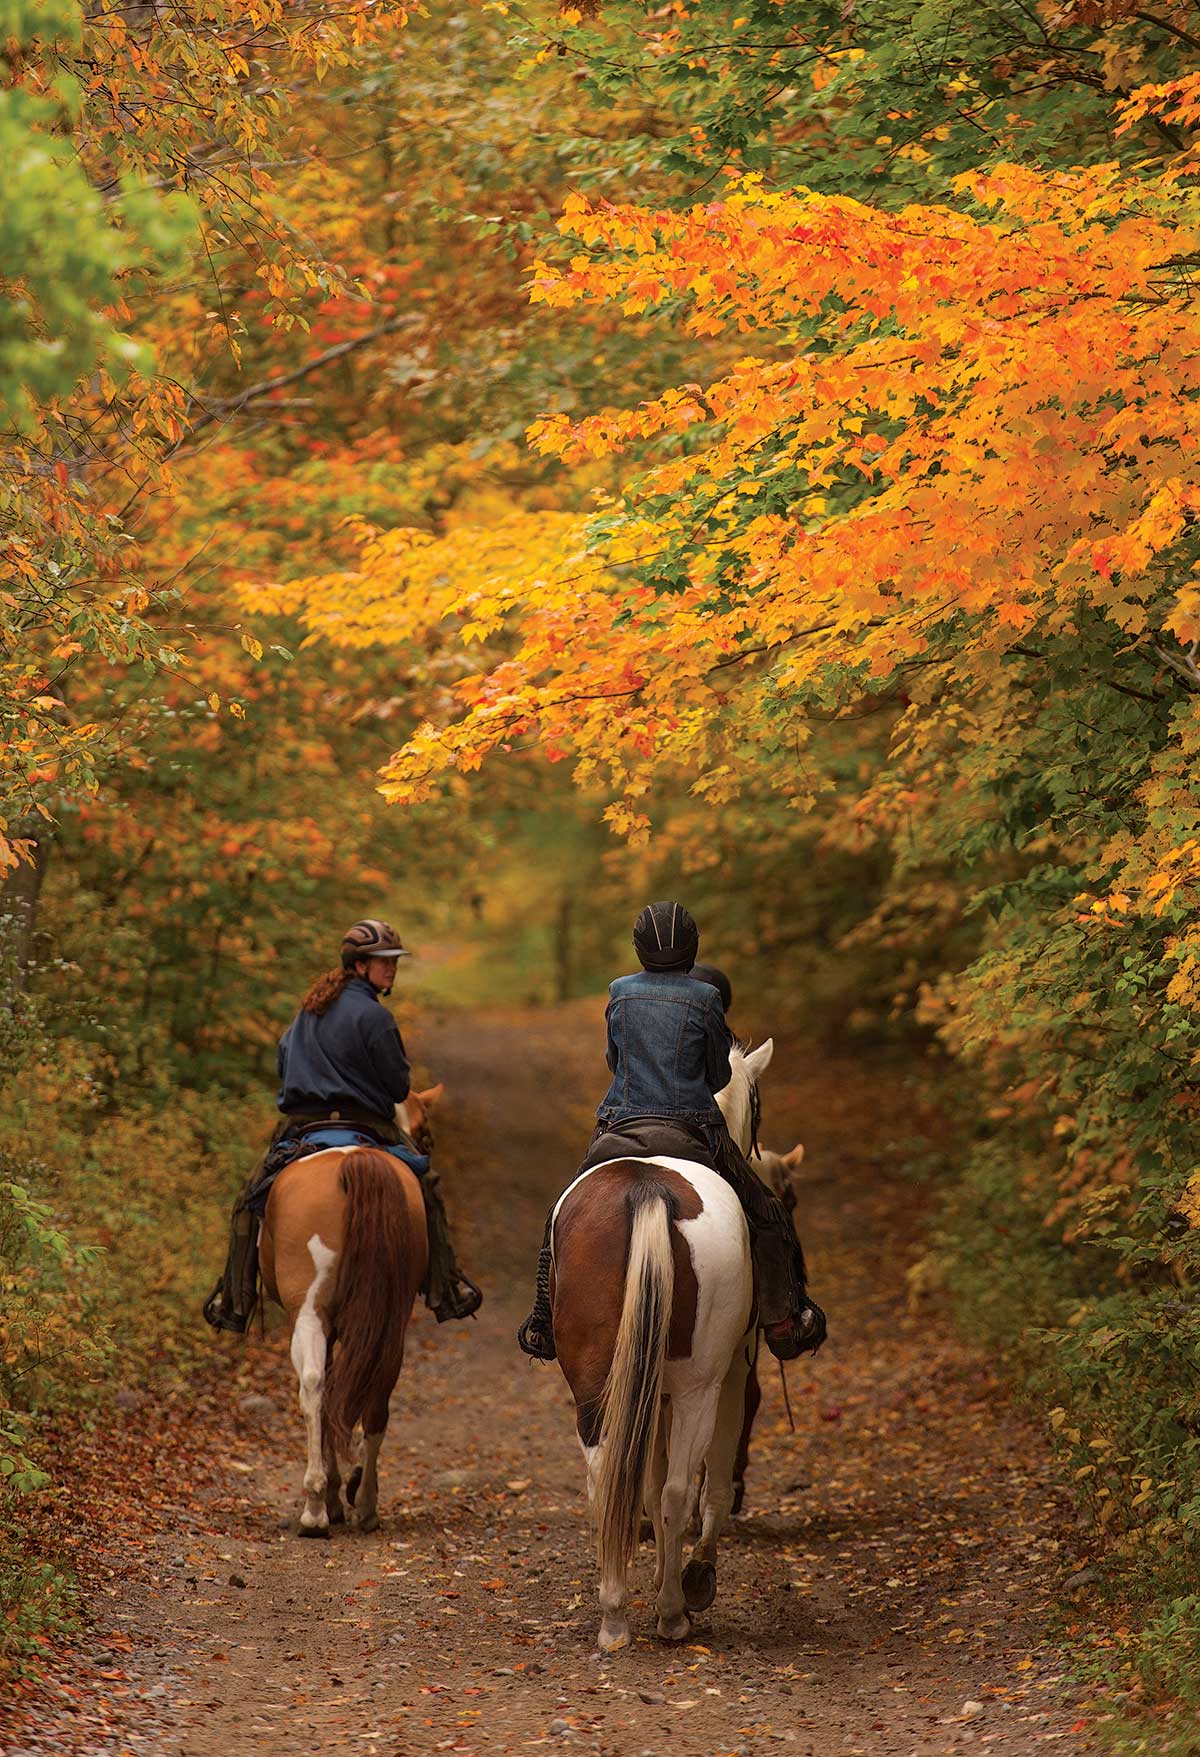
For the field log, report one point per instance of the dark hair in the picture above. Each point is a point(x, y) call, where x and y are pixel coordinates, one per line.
point(715, 979)
point(325, 991)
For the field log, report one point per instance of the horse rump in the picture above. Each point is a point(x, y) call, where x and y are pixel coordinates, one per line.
point(630, 1402)
point(372, 1292)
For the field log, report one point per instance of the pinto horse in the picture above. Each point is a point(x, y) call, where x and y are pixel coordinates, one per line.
point(344, 1251)
point(653, 1300)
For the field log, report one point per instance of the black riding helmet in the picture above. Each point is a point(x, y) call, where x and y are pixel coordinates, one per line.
point(715, 979)
point(665, 937)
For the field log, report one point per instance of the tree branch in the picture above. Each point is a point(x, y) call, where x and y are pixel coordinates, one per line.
point(220, 411)
point(1164, 24)
point(1183, 664)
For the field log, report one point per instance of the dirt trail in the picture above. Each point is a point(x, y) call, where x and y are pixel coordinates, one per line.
point(887, 1591)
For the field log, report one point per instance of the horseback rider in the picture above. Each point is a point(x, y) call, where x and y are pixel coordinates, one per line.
point(343, 1070)
point(668, 1050)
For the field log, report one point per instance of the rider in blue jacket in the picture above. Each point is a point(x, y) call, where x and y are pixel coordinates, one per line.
point(668, 1052)
point(342, 1071)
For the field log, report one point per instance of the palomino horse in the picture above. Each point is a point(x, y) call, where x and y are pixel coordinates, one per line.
point(344, 1251)
point(779, 1171)
point(653, 1304)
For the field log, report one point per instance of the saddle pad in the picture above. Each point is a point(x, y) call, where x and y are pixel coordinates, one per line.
point(336, 1136)
point(284, 1152)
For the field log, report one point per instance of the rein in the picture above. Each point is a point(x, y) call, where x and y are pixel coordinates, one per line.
point(787, 1402)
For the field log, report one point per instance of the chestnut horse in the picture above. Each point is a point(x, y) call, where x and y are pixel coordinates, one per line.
point(344, 1251)
point(653, 1302)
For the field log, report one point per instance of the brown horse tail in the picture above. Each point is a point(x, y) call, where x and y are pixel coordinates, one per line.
point(373, 1290)
point(629, 1405)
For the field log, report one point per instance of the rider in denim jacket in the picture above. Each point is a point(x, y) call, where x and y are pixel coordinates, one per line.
point(668, 1050)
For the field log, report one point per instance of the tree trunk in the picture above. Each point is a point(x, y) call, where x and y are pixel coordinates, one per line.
point(19, 894)
point(562, 949)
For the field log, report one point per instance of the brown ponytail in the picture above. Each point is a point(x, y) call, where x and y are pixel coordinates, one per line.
point(325, 991)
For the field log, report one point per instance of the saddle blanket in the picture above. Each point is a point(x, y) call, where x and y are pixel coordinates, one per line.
point(292, 1147)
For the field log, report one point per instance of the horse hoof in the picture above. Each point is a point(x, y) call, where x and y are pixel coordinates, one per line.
point(355, 1478)
point(679, 1630)
point(369, 1522)
point(314, 1531)
point(612, 1641)
point(337, 1515)
point(646, 1531)
point(699, 1585)
point(739, 1496)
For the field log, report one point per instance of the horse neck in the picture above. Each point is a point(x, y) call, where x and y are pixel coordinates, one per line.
point(734, 1100)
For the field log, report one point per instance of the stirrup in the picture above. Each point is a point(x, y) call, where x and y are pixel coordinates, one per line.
point(536, 1338)
point(461, 1299)
point(784, 1339)
point(218, 1317)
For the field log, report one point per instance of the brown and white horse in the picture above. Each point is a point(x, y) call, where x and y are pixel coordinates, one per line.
point(653, 1317)
point(344, 1251)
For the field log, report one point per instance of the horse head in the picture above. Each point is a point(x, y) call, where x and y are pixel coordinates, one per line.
point(780, 1171)
point(414, 1116)
point(738, 1100)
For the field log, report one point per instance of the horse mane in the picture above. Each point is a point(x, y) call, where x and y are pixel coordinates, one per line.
point(372, 1287)
point(734, 1099)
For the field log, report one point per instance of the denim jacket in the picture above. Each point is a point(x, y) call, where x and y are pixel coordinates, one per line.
point(668, 1048)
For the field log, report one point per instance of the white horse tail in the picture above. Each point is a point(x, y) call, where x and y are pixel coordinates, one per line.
point(629, 1408)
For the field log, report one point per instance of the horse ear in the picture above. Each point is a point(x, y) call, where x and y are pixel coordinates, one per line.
point(793, 1159)
point(433, 1095)
point(759, 1060)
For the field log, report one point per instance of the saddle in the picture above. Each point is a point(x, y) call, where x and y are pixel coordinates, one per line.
point(650, 1137)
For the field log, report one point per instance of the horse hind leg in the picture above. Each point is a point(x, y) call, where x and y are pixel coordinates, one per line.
point(366, 1497)
point(309, 1351)
point(614, 1623)
point(692, 1421)
point(700, 1575)
point(333, 1475)
point(658, 1478)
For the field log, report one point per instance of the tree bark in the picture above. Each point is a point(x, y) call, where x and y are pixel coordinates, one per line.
point(562, 949)
point(19, 895)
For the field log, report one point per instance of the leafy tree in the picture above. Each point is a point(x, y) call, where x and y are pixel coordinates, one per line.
point(942, 478)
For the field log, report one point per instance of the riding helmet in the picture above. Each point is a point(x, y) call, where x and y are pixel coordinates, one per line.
point(665, 937)
point(371, 939)
point(715, 979)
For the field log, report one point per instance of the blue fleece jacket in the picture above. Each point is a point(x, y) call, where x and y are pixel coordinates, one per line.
point(351, 1054)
